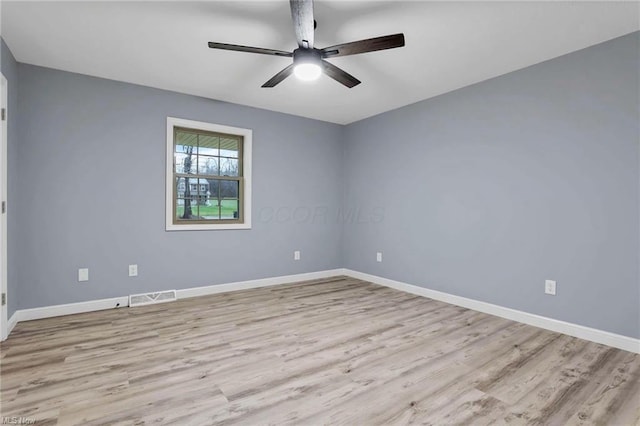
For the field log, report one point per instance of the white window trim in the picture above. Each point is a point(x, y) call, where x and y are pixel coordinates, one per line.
point(246, 169)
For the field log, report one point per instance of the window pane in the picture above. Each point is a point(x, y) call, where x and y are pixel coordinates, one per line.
point(208, 145)
point(185, 150)
point(188, 206)
point(228, 147)
point(192, 188)
point(229, 209)
point(180, 187)
point(228, 166)
point(214, 186)
point(229, 189)
point(208, 165)
point(185, 163)
point(185, 141)
point(210, 210)
point(178, 162)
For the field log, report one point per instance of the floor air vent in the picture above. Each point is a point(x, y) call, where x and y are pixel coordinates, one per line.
point(151, 298)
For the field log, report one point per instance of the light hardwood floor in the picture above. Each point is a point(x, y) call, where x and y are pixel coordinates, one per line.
point(334, 351)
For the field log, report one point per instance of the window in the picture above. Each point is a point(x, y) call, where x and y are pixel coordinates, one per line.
point(208, 176)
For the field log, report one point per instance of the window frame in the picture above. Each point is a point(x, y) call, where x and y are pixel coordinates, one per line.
point(244, 195)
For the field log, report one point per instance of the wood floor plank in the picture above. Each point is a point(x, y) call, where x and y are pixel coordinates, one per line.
point(328, 351)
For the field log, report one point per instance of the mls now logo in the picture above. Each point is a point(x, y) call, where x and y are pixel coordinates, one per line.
point(15, 420)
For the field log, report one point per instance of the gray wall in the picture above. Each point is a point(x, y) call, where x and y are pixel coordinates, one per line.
point(489, 190)
point(9, 68)
point(91, 174)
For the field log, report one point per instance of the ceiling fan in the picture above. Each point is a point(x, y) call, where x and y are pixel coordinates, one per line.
point(309, 62)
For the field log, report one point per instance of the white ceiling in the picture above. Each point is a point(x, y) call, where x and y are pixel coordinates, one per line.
point(448, 45)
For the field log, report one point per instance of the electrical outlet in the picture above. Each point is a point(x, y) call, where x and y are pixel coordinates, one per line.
point(379, 257)
point(296, 255)
point(133, 270)
point(83, 274)
point(550, 287)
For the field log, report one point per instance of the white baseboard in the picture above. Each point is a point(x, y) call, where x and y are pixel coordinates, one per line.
point(123, 301)
point(70, 308)
point(592, 334)
point(12, 322)
point(262, 282)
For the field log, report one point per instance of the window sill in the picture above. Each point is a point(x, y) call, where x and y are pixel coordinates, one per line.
point(208, 227)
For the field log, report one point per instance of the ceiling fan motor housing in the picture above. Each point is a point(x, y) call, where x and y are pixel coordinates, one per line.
point(307, 56)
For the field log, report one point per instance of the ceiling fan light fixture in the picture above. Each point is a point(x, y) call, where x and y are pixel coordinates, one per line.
point(307, 71)
point(307, 64)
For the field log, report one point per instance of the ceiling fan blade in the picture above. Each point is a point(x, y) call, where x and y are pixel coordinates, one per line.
point(364, 46)
point(249, 49)
point(302, 15)
point(276, 79)
point(339, 75)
